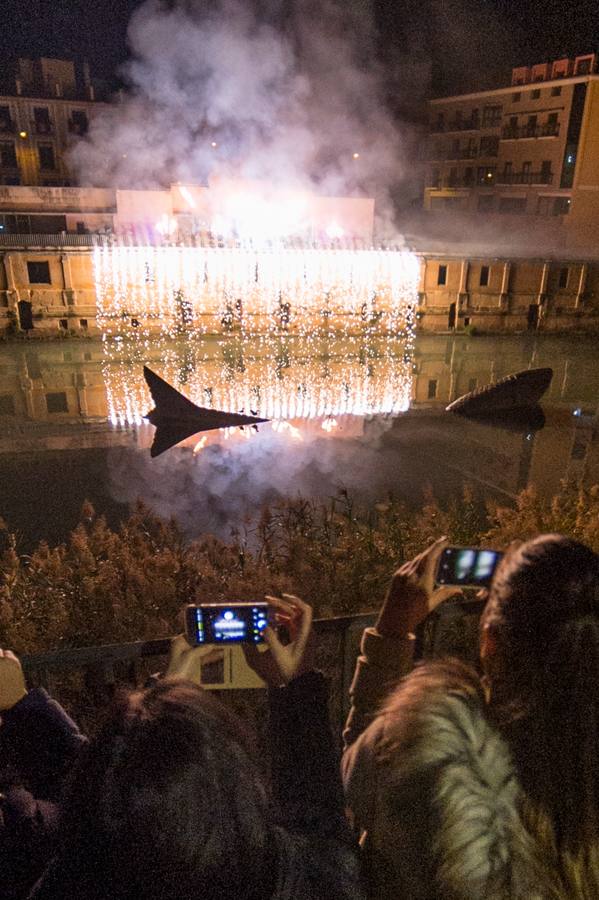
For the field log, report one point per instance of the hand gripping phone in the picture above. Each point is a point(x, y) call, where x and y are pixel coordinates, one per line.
point(226, 623)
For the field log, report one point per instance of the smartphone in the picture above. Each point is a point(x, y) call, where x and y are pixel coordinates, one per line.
point(467, 566)
point(232, 623)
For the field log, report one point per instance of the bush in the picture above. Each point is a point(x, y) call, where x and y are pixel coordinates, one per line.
point(109, 586)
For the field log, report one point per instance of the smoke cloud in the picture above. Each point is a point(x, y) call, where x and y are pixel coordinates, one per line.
point(286, 93)
point(227, 484)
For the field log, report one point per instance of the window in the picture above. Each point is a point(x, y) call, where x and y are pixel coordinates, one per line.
point(486, 202)
point(39, 272)
point(489, 146)
point(491, 116)
point(561, 206)
point(516, 96)
point(440, 122)
point(563, 277)
point(46, 155)
point(526, 167)
point(514, 205)
point(468, 176)
point(556, 91)
point(83, 324)
point(78, 123)
point(41, 116)
point(432, 388)
point(442, 275)
point(531, 126)
point(434, 180)
point(546, 175)
point(57, 403)
point(7, 405)
point(8, 156)
point(507, 167)
point(484, 276)
point(453, 177)
point(63, 324)
point(583, 66)
point(534, 95)
point(6, 123)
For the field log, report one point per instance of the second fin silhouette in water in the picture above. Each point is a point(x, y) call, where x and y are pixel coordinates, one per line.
point(176, 418)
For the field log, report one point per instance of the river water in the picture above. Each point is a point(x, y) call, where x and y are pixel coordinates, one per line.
point(361, 413)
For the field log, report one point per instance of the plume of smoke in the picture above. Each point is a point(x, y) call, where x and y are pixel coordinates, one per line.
point(228, 483)
point(287, 96)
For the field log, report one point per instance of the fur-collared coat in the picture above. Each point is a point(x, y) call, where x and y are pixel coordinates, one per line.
point(433, 786)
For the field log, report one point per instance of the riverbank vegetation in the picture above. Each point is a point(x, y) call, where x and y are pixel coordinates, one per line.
point(110, 586)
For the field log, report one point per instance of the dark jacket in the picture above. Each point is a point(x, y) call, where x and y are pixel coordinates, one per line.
point(314, 852)
point(38, 746)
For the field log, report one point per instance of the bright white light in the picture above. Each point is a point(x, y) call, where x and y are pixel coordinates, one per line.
point(187, 196)
point(329, 425)
point(166, 225)
point(200, 445)
point(334, 231)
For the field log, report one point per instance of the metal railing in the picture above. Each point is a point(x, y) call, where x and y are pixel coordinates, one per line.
point(47, 240)
point(103, 667)
point(524, 178)
point(514, 133)
point(451, 630)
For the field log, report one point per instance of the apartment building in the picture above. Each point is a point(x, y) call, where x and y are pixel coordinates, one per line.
point(529, 148)
point(45, 106)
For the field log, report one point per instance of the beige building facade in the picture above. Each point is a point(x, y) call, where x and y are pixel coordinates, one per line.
point(44, 110)
point(529, 148)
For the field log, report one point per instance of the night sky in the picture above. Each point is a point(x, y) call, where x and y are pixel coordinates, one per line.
point(468, 44)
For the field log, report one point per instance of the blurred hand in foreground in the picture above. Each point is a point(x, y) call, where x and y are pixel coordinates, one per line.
point(412, 594)
point(280, 662)
point(12, 680)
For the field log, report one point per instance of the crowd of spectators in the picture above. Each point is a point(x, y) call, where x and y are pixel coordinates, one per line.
point(454, 783)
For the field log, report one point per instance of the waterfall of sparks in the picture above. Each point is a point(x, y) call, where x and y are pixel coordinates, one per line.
point(288, 333)
point(168, 289)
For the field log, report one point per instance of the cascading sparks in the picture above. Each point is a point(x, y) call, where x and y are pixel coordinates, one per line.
point(168, 289)
point(288, 333)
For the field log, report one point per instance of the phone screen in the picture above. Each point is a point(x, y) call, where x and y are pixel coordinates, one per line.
point(235, 623)
point(467, 566)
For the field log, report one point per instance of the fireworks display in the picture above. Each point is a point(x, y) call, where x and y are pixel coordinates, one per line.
point(286, 333)
point(167, 289)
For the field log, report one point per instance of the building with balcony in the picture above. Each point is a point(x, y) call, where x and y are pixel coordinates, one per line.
point(45, 106)
point(531, 147)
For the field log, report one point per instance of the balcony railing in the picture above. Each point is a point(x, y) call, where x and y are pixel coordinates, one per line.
point(515, 133)
point(524, 178)
point(7, 126)
point(43, 127)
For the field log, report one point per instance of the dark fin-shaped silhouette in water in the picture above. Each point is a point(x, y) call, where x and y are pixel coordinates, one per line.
point(176, 418)
point(516, 393)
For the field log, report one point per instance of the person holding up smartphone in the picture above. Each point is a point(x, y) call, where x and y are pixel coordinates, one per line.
point(474, 788)
point(169, 802)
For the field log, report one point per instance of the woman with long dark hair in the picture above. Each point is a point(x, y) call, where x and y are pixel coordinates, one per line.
point(468, 787)
point(170, 803)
